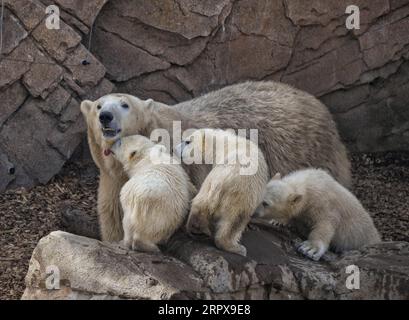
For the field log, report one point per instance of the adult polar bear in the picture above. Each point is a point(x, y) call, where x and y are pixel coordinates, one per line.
point(295, 130)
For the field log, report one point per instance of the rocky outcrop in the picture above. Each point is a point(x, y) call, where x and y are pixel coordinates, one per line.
point(181, 49)
point(85, 268)
point(42, 81)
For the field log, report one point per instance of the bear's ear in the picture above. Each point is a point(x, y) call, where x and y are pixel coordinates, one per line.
point(148, 103)
point(86, 107)
point(294, 199)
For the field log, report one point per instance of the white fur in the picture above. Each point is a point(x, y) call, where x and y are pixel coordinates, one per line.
point(227, 198)
point(325, 211)
point(155, 199)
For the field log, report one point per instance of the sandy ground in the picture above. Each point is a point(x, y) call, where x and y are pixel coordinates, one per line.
point(381, 182)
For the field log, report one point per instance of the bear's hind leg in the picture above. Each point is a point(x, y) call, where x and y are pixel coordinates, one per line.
point(228, 233)
point(127, 241)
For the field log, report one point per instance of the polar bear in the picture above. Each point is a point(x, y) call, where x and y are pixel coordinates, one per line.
point(231, 191)
point(321, 209)
point(156, 198)
point(295, 131)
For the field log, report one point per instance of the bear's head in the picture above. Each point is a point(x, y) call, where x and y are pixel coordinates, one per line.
point(114, 116)
point(130, 150)
point(196, 147)
point(209, 146)
point(281, 202)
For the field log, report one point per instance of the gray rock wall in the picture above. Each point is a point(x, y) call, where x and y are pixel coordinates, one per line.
point(42, 81)
point(173, 50)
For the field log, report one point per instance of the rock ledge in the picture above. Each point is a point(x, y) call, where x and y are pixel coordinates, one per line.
point(194, 269)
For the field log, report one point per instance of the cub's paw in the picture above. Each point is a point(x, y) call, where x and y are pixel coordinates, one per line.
point(240, 250)
point(312, 249)
point(237, 249)
point(196, 225)
point(124, 244)
point(276, 223)
point(145, 246)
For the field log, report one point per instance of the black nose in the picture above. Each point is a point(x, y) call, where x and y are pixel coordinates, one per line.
point(105, 117)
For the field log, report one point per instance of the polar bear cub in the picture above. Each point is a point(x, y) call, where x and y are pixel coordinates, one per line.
point(231, 191)
point(156, 198)
point(321, 209)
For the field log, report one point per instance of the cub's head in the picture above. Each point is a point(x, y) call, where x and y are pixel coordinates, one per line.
point(197, 147)
point(114, 116)
point(280, 203)
point(130, 150)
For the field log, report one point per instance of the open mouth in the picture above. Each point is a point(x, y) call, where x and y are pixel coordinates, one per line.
point(110, 132)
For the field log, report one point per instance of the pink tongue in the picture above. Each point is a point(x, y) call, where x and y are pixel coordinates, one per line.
point(107, 152)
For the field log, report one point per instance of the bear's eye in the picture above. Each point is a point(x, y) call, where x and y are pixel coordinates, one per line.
point(188, 142)
point(98, 106)
point(133, 153)
point(125, 106)
point(265, 204)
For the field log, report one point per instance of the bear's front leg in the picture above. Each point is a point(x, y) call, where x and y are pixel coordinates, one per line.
point(144, 246)
point(312, 249)
point(318, 240)
point(198, 221)
point(109, 208)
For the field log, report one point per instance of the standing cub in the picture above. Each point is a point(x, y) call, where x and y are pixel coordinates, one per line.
point(231, 191)
point(320, 208)
point(156, 198)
